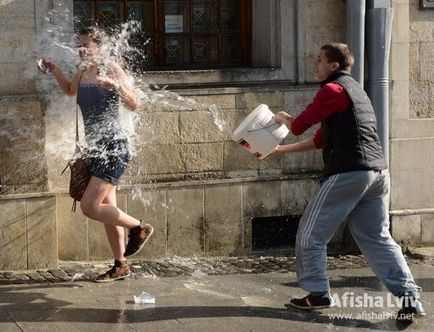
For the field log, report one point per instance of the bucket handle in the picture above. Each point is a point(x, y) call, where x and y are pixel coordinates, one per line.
point(270, 125)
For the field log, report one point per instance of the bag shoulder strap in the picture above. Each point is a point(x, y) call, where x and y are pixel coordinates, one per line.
point(77, 137)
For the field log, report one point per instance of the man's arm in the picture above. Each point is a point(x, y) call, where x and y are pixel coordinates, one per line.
point(331, 98)
point(306, 145)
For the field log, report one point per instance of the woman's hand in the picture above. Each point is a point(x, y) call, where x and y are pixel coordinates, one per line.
point(124, 89)
point(284, 118)
point(107, 82)
point(46, 66)
point(69, 87)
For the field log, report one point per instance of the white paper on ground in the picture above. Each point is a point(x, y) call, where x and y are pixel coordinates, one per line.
point(74, 277)
point(144, 298)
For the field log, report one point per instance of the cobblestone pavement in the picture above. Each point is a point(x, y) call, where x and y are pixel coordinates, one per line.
point(177, 266)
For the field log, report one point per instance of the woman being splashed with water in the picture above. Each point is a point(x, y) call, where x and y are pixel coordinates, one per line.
point(100, 86)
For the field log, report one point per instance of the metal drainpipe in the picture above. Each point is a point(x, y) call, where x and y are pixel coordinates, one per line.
point(378, 38)
point(355, 36)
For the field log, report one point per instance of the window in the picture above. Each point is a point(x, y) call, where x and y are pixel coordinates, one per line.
point(427, 3)
point(179, 34)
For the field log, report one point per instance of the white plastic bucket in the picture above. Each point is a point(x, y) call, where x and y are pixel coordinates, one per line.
point(259, 132)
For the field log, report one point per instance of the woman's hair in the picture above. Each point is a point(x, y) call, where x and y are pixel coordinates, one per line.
point(340, 53)
point(93, 32)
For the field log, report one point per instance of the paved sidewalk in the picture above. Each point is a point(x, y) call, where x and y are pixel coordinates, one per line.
point(172, 267)
point(203, 301)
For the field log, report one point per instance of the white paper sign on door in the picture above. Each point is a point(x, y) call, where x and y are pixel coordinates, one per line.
point(174, 23)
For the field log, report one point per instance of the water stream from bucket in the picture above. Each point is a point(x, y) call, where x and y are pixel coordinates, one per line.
point(57, 42)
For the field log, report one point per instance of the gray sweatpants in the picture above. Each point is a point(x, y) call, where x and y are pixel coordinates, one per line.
point(361, 197)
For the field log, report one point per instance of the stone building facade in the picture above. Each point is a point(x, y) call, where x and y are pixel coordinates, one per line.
point(198, 188)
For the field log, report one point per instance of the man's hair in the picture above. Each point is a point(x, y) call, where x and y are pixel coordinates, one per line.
point(340, 53)
point(93, 32)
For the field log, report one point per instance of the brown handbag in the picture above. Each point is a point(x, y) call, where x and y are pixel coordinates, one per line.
point(80, 175)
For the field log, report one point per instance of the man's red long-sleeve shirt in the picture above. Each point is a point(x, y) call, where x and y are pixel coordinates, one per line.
point(331, 98)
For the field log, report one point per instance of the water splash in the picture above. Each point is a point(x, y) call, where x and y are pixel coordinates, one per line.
point(56, 41)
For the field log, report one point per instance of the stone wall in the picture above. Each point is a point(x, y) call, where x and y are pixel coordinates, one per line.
point(22, 127)
point(324, 22)
point(412, 123)
point(197, 218)
point(28, 231)
point(23, 166)
point(17, 24)
point(421, 47)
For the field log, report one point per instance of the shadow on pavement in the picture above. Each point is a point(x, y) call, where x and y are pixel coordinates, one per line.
point(370, 283)
point(38, 307)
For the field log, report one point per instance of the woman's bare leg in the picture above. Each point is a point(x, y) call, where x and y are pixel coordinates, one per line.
point(99, 203)
point(93, 205)
point(115, 234)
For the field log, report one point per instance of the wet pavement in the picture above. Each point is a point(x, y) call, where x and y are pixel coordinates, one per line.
point(198, 294)
point(172, 267)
